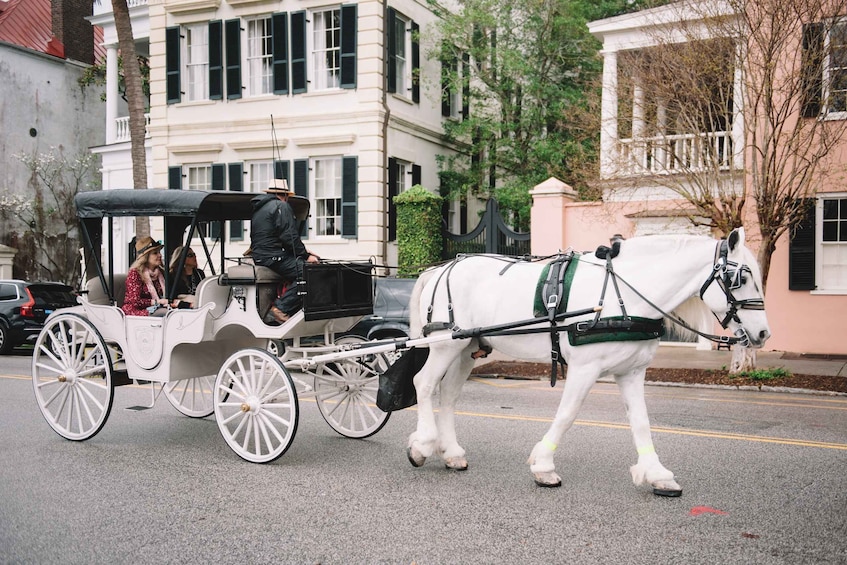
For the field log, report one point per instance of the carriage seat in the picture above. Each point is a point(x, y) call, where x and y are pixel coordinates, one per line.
point(248, 273)
point(96, 295)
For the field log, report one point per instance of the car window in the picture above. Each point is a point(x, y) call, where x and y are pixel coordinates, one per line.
point(8, 291)
point(52, 294)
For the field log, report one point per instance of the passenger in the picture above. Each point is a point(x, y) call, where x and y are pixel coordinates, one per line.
point(145, 282)
point(187, 280)
point(275, 243)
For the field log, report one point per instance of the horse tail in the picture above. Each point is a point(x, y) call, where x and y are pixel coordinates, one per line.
point(415, 321)
point(695, 313)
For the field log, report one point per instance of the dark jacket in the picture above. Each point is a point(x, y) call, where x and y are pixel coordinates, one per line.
point(273, 230)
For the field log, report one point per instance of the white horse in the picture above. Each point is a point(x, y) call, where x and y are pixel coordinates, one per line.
point(483, 292)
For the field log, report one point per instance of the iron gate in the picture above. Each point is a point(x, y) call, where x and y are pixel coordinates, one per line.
point(491, 235)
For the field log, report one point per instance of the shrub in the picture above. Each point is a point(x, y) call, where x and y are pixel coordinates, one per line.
point(418, 230)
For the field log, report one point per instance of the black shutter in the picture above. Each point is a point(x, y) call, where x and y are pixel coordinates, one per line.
point(466, 85)
point(216, 60)
point(281, 171)
point(393, 173)
point(801, 251)
point(298, 52)
point(233, 59)
point(349, 31)
point(301, 188)
point(812, 69)
point(279, 23)
point(416, 174)
point(390, 21)
point(218, 183)
point(172, 65)
point(236, 184)
point(449, 66)
point(349, 197)
point(416, 63)
point(175, 178)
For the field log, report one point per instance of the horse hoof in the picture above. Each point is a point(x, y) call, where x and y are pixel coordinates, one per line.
point(667, 488)
point(547, 480)
point(415, 458)
point(456, 463)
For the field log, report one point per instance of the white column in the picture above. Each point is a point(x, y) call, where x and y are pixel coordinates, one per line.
point(738, 102)
point(609, 116)
point(639, 145)
point(112, 81)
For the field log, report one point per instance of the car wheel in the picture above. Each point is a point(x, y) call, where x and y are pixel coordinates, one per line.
point(5, 340)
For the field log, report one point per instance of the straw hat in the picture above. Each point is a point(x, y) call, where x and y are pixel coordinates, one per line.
point(146, 245)
point(278, 186)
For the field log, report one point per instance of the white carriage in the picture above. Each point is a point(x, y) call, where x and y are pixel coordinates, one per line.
point(213, 358)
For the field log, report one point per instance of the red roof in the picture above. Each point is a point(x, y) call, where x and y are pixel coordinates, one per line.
point(29, 23)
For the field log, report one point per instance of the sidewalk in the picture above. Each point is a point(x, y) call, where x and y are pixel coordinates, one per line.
point(680, 357)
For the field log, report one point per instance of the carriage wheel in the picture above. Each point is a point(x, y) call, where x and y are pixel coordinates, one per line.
point(256, 405)
point(346, 393)
point(72, 377)
point(192, 397)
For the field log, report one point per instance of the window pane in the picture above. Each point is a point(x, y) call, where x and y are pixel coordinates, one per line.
point(842, 230)
point(830, 209)
point(260, 175)
point(196, 62)
point(328, 196)
point(830, 231)
point(259, 54)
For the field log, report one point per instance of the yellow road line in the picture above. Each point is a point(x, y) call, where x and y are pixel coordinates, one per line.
point(674, 431)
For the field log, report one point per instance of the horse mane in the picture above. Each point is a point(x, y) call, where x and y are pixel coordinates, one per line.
point(693, 312)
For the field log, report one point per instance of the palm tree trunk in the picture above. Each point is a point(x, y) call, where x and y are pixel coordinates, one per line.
point(136, 103)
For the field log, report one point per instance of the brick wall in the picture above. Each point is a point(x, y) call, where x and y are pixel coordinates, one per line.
point(73, 30)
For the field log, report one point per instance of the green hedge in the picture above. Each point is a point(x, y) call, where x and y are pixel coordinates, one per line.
point(418, 230)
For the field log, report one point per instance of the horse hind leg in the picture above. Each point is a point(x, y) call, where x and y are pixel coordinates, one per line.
point(648, 469)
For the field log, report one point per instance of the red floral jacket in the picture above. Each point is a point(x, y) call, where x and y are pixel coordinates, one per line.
point(138, 297)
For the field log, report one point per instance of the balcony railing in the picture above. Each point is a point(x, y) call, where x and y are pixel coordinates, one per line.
point(674, 154)
point(122, 129)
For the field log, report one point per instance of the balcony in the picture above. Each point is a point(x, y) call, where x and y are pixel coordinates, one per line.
point(676, 154)
point(122, 126)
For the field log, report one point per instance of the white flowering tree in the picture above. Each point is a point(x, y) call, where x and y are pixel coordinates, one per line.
point(42, 223)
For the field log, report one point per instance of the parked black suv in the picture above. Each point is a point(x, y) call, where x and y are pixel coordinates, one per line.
point(390, 318)
point(25, 305)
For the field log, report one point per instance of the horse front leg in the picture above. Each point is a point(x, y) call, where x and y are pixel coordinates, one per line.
point(451, 386)
point(579, 382)
point(423, 440)
point(648, 469)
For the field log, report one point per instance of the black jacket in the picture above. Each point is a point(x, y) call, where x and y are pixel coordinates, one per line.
point(273, 230)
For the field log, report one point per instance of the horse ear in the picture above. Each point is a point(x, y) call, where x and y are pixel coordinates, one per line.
point(735, 238)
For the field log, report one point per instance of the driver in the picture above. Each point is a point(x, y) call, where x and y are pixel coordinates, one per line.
point(275, 243)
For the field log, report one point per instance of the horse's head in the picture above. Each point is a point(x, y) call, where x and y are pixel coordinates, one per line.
point(734, 293)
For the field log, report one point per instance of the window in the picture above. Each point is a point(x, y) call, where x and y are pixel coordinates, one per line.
point(402, 175)
point(835, 73)
point(326, 49)
point(196, 85)
point(199, 177)
point(832, 266)
point(454, 84)
point(259, 57)
point(260, 175)
point(328, 196)
point(400, 64)
point(403, 56)
point(817, 251)
point(8, 292)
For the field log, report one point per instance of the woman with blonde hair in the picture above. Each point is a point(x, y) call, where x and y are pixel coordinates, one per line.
point(145, 281)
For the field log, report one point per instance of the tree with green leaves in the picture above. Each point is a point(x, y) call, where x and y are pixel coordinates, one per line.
point(527, 73)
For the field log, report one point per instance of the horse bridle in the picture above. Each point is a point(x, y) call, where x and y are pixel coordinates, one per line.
point(731, 276)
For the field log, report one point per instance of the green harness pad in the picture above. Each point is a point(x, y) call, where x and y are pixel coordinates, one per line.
point(539, 308)
point(616, 328)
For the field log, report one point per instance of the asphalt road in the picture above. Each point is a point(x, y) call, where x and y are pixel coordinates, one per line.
point(764, 478)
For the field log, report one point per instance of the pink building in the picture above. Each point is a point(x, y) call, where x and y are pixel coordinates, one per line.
point(640, 162)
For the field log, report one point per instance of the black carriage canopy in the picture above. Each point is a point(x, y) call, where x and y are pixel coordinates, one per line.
point(179, 208)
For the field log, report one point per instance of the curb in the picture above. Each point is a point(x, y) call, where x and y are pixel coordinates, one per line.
point(608, 380)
